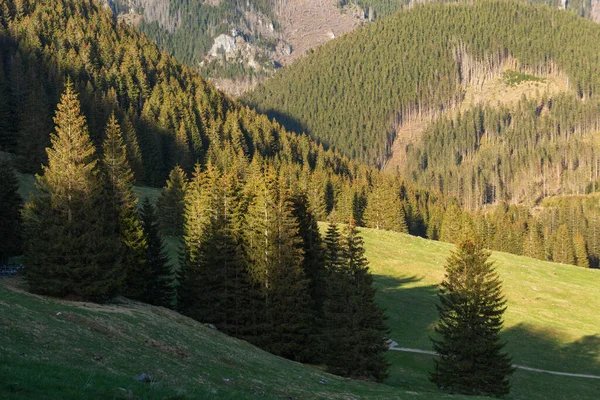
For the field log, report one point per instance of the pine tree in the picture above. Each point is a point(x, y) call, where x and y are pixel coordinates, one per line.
point(451, 229)
point(70, 243)
point(534, 244)
point(161, 290)
point(10, 213)
point(312, 248)
point(124, 204)
point(171, 203)
point(384, 209)
point(581, 253)
point(354, 327)
point(134, 153)
point(200, 293)
point(562, 248)
point(275, 257)
point(471, 306)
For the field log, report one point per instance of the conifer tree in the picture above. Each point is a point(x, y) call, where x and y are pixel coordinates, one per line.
point(161, 290)
point(581, 253)
point(451, 229)
point(471, 306)
point(354, 327)
point(70, 243)
point(534, 243)
point(562, 249)
point(124, 203)
point(384, 209)
point(311, 244)
point(171, 203)
point(275, 258)
point(10, 213)
point(134, 153)
point(201, 287)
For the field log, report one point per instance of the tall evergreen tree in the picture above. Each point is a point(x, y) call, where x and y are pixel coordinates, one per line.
point(70, 243)
point(124, 203)
point(354, 327)
point(471, 306)
point(171, 203)
point(384, 209)
point(161, 290)
point(201, 285)
point(10, 213)
point(275, 254)
point(562, 249)
point(312, 248)
point(581, 252)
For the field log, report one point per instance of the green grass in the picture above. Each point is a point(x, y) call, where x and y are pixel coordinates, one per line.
point(93, 352)
point(513, 78)
point(552, 321)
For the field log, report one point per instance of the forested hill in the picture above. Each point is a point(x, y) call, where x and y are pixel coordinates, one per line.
point(171, 115)
point(382, 8)
point(352, 93)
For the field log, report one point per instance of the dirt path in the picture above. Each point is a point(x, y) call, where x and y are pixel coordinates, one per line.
point(405, 349)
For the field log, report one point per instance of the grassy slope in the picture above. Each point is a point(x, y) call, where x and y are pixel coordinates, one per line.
point(552, 321)
point(91, 351)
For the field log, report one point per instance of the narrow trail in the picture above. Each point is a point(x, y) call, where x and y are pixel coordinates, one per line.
point(433, 353)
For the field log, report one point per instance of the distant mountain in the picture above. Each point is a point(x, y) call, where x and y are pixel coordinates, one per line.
point(405, 91)
point(237, 43)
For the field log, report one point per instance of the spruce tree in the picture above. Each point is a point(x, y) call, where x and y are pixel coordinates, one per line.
point(275, 256)
point(10, 213)
point(124, 204)
point(312, 247)
point(354, 326)
point(161, 290)
point(200, 293)
point(471, 307)
point(171, 203)
point(581, 253)
point(70, 243)
point(562, 248)
point(384, 209)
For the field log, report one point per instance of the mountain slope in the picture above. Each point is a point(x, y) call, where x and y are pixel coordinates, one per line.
point(53, 348)
point(552, 321)
point(420, 62)
point(58, 349)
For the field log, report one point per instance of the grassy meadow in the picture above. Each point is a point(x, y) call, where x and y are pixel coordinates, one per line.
point(552, 321)
point(93, 351)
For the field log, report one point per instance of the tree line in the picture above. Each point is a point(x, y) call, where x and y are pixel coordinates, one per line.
point(253, 261)
point(352, 93)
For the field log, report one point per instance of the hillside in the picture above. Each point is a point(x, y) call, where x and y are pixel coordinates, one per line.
point(322, 96)
point(58, 349)
point(237, 44)
point(551, 323)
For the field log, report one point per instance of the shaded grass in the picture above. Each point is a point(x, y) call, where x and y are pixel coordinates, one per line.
point(552, 321)
point(91, 351)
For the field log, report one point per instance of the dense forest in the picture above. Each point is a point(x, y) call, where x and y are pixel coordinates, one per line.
point(187, 29)
point(384, 8)
point(170, 117)
point(415, 63)
point(253, 261)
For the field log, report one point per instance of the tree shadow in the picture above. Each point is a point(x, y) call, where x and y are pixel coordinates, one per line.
point(412, 314)
point(410, 309)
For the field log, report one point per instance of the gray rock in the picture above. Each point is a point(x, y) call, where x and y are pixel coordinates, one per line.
point(224, 43)
point(143, 378)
